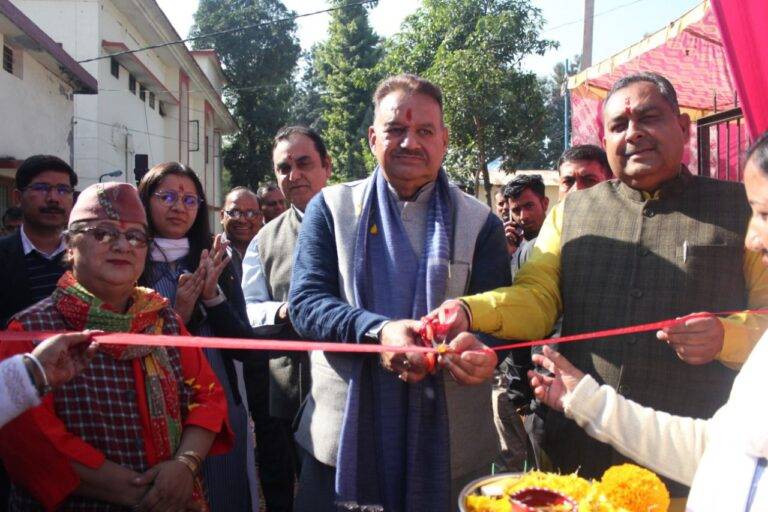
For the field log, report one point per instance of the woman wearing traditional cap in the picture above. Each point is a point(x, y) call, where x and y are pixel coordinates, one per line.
point(131, 431)
point(194, 273)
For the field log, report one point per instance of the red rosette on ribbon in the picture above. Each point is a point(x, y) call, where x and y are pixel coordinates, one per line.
point(434, 333)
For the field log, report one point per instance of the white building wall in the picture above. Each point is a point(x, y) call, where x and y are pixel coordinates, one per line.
point(171, 120)
point(74, 24)
point(197, 137)
point(115, 125)
point(127, 125)
point(207, 64)
point(37, 112)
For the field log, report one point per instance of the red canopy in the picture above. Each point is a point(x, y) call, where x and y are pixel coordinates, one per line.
point(744, 28)
point(689, 52)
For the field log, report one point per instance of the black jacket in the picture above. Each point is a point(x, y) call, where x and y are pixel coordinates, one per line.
point(14, 284)
point(229, 320)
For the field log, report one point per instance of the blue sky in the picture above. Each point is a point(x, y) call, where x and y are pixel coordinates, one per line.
point(618, 23)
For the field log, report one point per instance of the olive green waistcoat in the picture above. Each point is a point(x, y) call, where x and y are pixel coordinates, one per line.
point(289, 373)
point(626, 261)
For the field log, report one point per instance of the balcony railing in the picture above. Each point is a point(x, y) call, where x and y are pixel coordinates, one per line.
point(722, 140)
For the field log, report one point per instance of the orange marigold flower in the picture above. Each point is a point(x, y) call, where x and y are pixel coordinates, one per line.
point(488, 504)
point(634, 488)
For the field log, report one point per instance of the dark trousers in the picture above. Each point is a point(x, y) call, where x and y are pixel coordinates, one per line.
point(5, 487)
point(278, 463)
point(317, 484)
point(275, 449)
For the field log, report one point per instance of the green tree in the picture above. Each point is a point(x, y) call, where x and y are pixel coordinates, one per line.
point(473, 49)
point(259, 65)
point(307, 104)
point(555, 87)
point(346, 70)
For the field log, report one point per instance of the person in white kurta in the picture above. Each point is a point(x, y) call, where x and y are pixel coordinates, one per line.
point(25, 378)
point(722, 459)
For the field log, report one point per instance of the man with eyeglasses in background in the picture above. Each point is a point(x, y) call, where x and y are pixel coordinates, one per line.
point(241, 219)
point(302, 168)
point(272, 201)
point(30, 258)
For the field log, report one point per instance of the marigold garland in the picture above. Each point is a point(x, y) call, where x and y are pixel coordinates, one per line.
point(623, 488)
point(634, 488)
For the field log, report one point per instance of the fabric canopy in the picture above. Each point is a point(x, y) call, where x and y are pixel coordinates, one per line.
point(744, 28)
point(689, 52)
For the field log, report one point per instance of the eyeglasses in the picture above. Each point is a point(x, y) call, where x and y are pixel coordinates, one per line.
point(106, 235)
point(170, 197)
point(45, 188)
point(234, 213)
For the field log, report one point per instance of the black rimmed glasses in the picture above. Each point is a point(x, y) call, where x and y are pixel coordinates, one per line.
point(109, 235)
point(46, 188)
point(236, 213)
point(170, 197)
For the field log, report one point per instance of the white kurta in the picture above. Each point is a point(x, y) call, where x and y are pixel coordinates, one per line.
point(17, 391)
point(716, 457)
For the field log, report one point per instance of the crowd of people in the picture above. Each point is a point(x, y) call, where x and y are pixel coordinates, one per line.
point(635, 237)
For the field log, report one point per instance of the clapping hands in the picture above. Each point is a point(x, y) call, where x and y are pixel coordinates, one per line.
point(203, 282)
point(214, 261)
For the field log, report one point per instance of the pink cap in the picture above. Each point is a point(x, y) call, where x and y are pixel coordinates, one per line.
point(109, 201)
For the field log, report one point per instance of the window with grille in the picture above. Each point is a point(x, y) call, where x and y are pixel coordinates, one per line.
point(161, 108)
point(132, 83)
point(142, 93)
point(114, 67)
point(8, 59)
point(151, 100)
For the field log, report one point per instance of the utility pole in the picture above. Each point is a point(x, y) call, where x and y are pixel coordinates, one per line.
point(589, 19)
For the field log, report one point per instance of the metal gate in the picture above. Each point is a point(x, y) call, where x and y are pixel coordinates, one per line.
point(721, 143)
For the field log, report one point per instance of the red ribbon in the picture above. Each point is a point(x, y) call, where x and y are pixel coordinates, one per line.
point(653, 326)
point(353, 348)
point(226, 343)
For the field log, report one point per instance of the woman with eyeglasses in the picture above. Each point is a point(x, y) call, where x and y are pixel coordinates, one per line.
point(194, 274)
point(130, 432)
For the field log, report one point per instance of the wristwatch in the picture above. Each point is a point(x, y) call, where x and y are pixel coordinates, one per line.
point(373, 335)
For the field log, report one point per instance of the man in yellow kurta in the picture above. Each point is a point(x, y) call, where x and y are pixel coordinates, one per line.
point(657, 243)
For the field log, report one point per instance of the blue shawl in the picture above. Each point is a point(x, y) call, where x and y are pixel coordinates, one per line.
point(394, 449)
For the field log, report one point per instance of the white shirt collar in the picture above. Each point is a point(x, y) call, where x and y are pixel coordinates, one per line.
point(28, 246)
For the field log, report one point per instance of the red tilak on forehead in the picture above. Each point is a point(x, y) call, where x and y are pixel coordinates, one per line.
point(627, 108)
point(408, 115)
